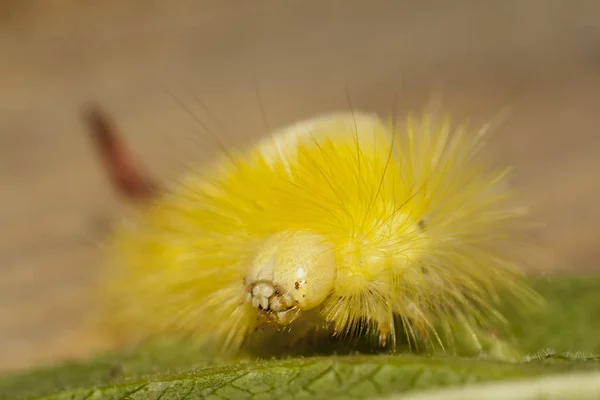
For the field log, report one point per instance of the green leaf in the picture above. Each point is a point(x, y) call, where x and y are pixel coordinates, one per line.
point(557, 337)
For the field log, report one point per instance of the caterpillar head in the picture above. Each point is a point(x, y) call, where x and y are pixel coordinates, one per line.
point(293, 271)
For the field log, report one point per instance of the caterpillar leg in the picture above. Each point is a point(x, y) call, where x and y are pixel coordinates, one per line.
point(386, 329)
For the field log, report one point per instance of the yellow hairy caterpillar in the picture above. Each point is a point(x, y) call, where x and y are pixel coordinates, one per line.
point(344, 224)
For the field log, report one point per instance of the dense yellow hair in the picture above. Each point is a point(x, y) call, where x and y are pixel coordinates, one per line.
point(423, 229)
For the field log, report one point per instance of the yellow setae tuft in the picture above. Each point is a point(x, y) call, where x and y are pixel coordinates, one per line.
point(343, 223)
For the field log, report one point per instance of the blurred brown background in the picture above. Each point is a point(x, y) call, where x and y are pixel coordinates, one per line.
point(540, 57)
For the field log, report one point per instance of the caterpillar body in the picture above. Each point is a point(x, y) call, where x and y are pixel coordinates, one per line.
point(345, 224)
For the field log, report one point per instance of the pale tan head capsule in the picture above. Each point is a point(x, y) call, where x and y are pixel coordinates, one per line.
point(293, 271)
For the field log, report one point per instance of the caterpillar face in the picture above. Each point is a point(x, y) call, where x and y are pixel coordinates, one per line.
point(292, 272)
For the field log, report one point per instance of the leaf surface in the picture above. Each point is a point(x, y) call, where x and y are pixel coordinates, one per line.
point(562, 340)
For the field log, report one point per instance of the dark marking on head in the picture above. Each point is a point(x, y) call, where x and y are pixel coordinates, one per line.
point(297, 285)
